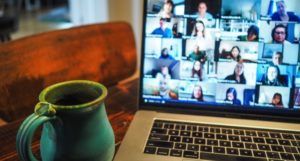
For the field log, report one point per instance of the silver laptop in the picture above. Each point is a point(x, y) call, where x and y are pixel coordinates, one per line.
point(219, 80)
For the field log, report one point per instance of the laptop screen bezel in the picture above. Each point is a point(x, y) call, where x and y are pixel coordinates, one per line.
point(215, 109)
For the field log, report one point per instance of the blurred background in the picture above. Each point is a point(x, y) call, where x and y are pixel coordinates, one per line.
point(21, 18)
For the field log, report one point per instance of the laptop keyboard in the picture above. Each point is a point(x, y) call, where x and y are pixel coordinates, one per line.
point(212, 142)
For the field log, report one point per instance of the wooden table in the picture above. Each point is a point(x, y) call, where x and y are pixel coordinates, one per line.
point(121, 104)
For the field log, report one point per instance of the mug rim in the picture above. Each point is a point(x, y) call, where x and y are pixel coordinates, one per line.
point(99, 99)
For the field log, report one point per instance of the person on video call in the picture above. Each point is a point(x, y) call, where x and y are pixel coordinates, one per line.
point(277, 100)
point(164, 90)
point(162, 29)
point(167, 10)
point(203, 15)
point(235, 54)
point(196, 54)
point(277, 58)
point(272, 77)
point(252, 34)
point(197, 70)
point(164, 73)
point(238, 74)
point(203, 39)
point(231, 96)
point(197, 93)
point(279, 34)
point(176, 33)
point(165, 54)
point(282, 15)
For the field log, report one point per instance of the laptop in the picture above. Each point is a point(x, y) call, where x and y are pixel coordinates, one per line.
point(211, 85)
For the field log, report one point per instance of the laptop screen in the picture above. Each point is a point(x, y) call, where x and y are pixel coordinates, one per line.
point(229, 53)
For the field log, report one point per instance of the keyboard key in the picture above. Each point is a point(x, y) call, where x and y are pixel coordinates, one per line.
point(176, 153)
point(191, 154)
point(209, 135)
point(202, 129)
point(288, 136)
point(261, 154)
point(273, 155)
point(245, 152)
point(287, 156)
point(197, 134)
point(277, 148)
point(237, 145)
point(221, 137)
point(263, 134)
point(159, 137)
point(226, 131)
point(187, 140)
point(162, 151)
point(284, 142)
point(239, 132)
point(233, 138)
point(191, 128)
point(180, 146)
point(220, 150)
point(258, 140)
point(185, 133)
point(250, 146)
point(158, 125)
point(289, 149)
point(215, 130)
point(251, 133)
point(206, 149)
point(173, 132)
point(246, 139)
point(297, 137)
point(199, 141)
point(175, 138)
point(297, 156)
point(232, 151)
point(264, 147)
point(150, 150)
point(169, 126)
point(180, 127)
point(225, 143)
point(222, 157)
point(212, 142)
point(271, 141)
point(158, 131)
point(162, 144)
point(192, 147)
point(275, 135)
point(296, 143)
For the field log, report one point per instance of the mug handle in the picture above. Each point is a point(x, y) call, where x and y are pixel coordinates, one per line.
point(43, 112)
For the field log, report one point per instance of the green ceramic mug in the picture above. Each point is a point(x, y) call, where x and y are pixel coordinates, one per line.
point(75, 124)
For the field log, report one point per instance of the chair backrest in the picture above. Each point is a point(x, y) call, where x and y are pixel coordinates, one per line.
point(104, 53)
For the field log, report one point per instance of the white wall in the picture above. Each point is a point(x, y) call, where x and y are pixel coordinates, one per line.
point(88, 11)
point(130, 11)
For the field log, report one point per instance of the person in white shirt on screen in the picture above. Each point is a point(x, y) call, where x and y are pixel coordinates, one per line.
point(203, 15)
point(167, 10)
point(202, 39)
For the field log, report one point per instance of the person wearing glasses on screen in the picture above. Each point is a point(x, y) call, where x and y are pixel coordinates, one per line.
point(165, 91)
point(277, 100)
point(197, 93)
point(231, 97)
point(272, 77)
point(238, 74)
point(279, 34)
point(167, 10)
point(162, 30)
point(282, 15)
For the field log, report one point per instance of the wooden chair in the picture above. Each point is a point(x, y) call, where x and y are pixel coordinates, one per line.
point(104, 53)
